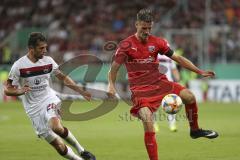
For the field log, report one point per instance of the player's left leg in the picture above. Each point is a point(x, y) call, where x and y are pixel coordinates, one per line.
point(53, 119)
point(146, 116)
point(192, 114)
point(56, 126)
point(191, 108)
point(61, 148)
point(40, 124)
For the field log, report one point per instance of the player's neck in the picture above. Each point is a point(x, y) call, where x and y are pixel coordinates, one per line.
point(140, 39)
point(31, 57)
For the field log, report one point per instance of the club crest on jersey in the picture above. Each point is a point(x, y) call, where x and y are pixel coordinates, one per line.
point(37, 81)
point(151, 49)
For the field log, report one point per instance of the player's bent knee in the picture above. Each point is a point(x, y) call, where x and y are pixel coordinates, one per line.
point(191, 99)
point(145, 114)
point(58, 129)
point(187, 96)
point(56, 126)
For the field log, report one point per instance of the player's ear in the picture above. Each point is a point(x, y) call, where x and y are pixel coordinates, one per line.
point(30, 48)
point(136, 24)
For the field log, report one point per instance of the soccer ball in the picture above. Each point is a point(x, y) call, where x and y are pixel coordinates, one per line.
point(172, 103)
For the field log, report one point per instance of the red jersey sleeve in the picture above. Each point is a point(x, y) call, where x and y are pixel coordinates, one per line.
point(121, 54)
point(164, 48)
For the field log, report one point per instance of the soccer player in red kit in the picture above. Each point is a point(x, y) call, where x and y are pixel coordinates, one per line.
point(148, 86)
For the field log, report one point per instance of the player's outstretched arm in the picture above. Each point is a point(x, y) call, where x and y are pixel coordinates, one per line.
point(112, 75)
point(71, 84)
point(11, 90)
point(184, 62)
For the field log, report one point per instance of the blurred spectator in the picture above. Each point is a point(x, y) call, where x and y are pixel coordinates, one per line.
point(6, 54)
point(86, 25)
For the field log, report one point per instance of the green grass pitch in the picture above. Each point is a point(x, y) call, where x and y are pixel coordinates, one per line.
point(116, 136)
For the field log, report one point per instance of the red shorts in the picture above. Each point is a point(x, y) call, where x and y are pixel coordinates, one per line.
point(152, 96)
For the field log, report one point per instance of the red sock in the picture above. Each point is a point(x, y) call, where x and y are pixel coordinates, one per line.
point(192, 115)
point(151, 145)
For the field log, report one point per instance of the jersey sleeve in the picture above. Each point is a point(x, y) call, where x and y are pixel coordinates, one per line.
point(54, 65)
point(165, 48)
point(120, 56)
point(14, 75)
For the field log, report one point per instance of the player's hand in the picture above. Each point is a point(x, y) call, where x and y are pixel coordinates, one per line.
point(86, 95)
point(24, 90)
point(207, 73)
point(111, 92)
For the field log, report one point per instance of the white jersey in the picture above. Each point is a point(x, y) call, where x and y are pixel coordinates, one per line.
point(168, 63)
point(37, 77)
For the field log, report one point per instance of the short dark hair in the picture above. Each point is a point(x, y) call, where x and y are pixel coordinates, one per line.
point(145, 15)
point(34, 38)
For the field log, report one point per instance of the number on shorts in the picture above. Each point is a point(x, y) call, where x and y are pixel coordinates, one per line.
point(51, 106)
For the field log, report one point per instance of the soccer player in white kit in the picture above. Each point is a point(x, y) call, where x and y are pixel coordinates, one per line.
point(29, 78)
point(172, 75)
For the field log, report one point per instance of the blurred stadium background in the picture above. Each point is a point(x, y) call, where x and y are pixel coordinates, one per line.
point(205, 31)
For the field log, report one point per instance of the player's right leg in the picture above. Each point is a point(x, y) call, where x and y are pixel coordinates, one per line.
point(146, 116)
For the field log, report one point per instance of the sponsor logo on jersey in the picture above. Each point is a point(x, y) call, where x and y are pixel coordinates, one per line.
point(39, 88)
point(35, 71)
point(147, 60)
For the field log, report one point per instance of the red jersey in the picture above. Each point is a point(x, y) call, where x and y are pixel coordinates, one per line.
point(147, 84)
point(140, 60)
